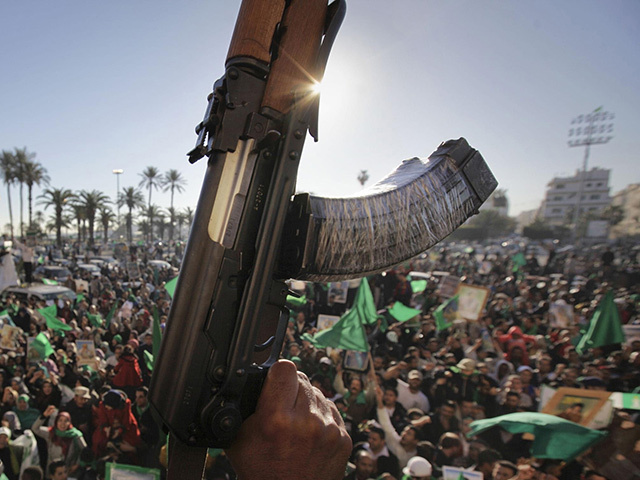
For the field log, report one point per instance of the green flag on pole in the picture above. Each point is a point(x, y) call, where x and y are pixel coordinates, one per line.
point(156, 333)
point(555, 437)
point(348, 332)
point(446, 313)
point(170, 286)
point(605, 327)
point(111, 312)
point(41, 345)
point(149, 360)
point(402, 313)
point(50, 315)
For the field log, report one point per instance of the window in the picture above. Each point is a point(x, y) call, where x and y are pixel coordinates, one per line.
point(594, 197)
point(556, 210)
point(557, 198)
point(588, 185)
point(560, 185)
point(599, 184)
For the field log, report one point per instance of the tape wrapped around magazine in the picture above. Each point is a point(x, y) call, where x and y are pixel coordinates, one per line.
point(402, 215)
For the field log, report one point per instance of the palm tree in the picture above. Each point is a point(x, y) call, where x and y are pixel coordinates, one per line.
point(180, 219)
point(173, 181)
point(143, 225)
point(58, 198)
point(161, 224)
point(8, 172)
point(92, 201)
point(151, 213)
point(21, 158)
point(188, 214)
point(150, 179)
point(80, 216)
point(106, 217)
point(173, 218)
point(34, 174)
point(132, 199)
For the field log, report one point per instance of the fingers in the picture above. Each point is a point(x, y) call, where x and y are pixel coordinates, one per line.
point(280, 390)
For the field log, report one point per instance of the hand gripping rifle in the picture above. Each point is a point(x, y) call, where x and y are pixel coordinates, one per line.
point(250, 233)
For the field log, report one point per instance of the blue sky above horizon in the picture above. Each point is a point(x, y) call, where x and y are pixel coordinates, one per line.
point(90, 87)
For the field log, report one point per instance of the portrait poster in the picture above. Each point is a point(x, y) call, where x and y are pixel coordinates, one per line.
point(33, 355)
point(455, 473)
point(9, 336)
point(564, 401)
point(339, 291)
point(448, 286)
point(326, 321)
point(471, 301)
point(133, 270)
point(86, 353)
point(561, 314)
point(358, 361)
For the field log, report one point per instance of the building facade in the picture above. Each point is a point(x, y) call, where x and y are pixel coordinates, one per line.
point(587, 191)
point(629, 201)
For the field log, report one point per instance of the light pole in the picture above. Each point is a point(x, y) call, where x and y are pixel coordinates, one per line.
point(117, 172)
point(589, 129)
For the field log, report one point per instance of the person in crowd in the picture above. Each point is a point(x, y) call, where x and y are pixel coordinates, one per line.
point(115, 429)
point(64, 441)
point(386, 462)
point(11, 456)
point(403, 445)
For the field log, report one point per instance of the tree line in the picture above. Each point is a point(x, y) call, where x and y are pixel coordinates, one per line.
point(90, 208)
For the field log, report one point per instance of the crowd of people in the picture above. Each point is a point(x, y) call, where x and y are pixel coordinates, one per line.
point(408, 407)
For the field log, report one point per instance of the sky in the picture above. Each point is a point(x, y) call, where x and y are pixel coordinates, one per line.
point(90, 87)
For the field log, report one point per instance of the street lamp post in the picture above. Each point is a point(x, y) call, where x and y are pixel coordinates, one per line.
point(589, 129)
point(117, 172)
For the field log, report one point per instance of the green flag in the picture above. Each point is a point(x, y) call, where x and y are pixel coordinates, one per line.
point(418, 286)
point(149, 360)
point(48, 281)
point(156, 333)
point(50, 315)
point(402, 313)
point(111, 312)
point(605, 327)
point(446, 313)
point(41, 345)
point(170, 287)
point(555, 437)
point(96, 320)
point(297, 301)
point(348, 332)
point(79, 298)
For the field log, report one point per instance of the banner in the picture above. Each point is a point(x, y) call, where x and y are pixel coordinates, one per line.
point(117, 471)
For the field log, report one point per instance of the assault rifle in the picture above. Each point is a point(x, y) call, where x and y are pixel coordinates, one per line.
point(228, 318)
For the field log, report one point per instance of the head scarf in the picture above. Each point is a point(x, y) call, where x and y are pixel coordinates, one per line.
point(63, 438)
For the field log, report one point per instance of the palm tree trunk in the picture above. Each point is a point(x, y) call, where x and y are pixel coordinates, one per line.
point(10, 209)
point(29, 201)
point(21, 212)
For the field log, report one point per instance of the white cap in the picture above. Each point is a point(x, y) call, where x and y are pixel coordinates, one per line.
point(417, 467)
point(5, 431)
